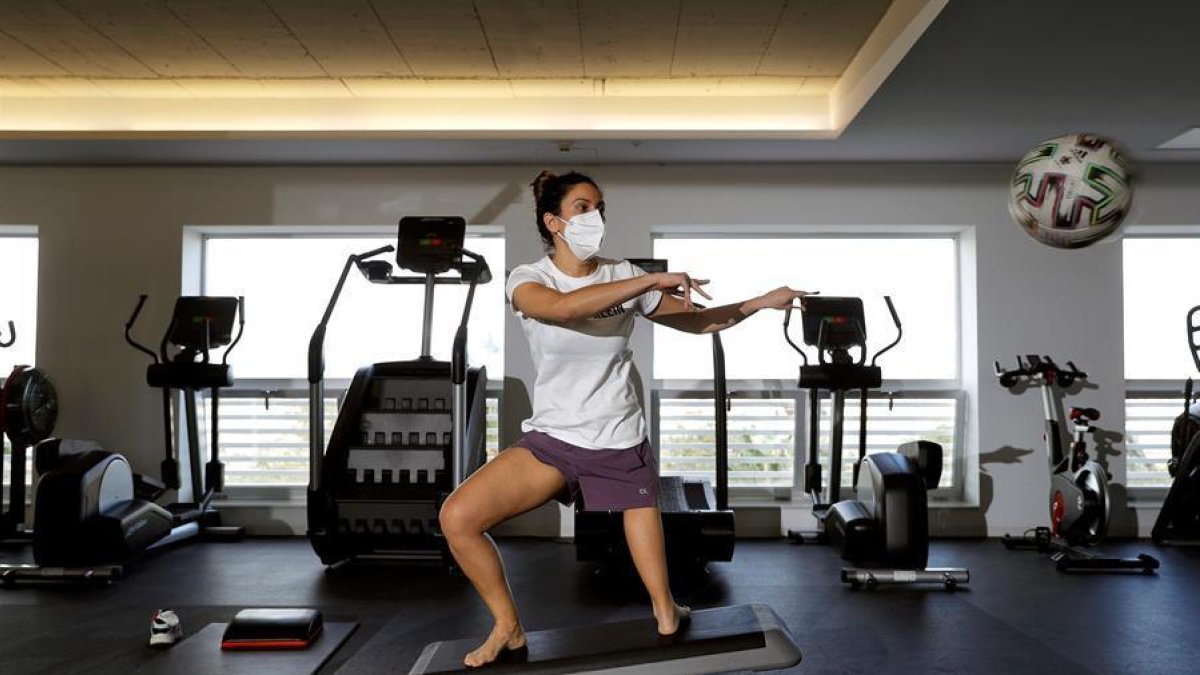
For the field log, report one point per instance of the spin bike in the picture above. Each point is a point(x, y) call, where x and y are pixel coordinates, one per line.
point(1178, 521)
point(1079, 500)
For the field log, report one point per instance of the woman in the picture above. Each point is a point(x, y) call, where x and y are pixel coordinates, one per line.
point(587, 436)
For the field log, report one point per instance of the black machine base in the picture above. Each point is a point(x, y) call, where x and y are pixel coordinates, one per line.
point(949, 577)
point(696, 532)
point(1075, 560)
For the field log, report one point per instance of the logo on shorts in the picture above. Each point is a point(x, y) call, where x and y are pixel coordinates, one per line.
point(643, 491)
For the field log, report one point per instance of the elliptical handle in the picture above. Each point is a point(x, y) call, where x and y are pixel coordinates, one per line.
point(1192, 330)
point(899, 329)
point(12, 336)
point(787, 320)
point(129, 328)
point(241, 329)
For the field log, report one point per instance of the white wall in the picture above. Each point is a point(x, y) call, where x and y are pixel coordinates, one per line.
point(108, 234)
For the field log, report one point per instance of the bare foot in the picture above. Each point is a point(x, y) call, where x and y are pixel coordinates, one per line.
point(670, 620)
point(501, 639)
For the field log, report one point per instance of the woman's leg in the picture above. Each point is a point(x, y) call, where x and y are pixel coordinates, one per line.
point(509, 485)
point(644, 535)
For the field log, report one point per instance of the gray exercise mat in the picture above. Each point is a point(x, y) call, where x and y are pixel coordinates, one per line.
point(201, 654)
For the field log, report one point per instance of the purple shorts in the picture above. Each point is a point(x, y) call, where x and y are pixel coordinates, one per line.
point(606, 480)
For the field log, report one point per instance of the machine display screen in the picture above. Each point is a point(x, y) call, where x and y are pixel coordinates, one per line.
point(430, 244)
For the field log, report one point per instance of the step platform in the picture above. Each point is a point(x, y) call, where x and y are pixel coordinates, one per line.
point(742, 637)
point(201, 654)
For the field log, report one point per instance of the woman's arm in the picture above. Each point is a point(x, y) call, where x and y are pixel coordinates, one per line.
point(672, 311)
point(547, 304)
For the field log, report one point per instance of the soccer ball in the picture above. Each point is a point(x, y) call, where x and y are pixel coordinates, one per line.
point(1071, 191)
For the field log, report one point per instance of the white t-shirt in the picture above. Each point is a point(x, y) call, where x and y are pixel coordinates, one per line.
point(584, 392)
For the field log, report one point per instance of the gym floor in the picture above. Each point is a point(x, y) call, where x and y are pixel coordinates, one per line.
point(1018, 614)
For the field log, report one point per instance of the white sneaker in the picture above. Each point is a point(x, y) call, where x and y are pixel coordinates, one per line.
point(165, 629)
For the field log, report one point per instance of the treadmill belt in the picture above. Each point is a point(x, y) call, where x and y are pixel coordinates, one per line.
point(744, 637)
point(201, 654)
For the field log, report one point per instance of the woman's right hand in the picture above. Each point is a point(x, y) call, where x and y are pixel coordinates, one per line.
point(680, 285)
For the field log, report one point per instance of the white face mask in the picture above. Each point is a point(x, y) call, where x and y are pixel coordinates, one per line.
point(584, 233)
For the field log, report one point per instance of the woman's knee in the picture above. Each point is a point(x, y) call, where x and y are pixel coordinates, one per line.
point(458, 519)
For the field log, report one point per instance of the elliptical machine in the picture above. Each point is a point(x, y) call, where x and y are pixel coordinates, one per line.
point(1079, 501)
point(886, 526)
point(28, 411)
point(92, 513)
point(1178, 521)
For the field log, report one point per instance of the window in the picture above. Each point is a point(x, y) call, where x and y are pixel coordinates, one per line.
point(287, 281)
point(1159, 289)
point(18, 303)
point(921, 275)
point(767, 426)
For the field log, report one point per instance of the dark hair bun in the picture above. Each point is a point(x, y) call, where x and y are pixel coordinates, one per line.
point(539, 184)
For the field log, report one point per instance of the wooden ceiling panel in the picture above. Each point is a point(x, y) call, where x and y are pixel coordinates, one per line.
point(533, 38)
point(345, 36)
point(150, 33)
point(17, 60)
point(628, 38)
point(249, 35)
point(439, 39)
point(61, 37)
point(717, 37)
point(820, 37)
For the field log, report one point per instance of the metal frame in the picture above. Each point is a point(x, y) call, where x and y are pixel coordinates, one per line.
point(1155, 388)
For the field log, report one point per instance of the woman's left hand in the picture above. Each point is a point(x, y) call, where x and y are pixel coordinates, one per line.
point(783, 298)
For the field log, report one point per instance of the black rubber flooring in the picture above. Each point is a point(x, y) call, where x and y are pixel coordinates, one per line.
point(1018, 614)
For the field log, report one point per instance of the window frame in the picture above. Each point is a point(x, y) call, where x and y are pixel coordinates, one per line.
point(19, 232)
point(196, 242)
point(778, 388)
point(1149, 388)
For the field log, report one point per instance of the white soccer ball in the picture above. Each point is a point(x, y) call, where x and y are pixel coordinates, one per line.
point(1071, 191)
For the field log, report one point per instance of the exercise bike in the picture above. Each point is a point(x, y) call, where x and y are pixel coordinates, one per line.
point(1178, 521)
point(1079, 499)
point(885, 528)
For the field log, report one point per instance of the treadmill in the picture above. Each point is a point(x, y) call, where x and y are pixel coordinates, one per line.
point(698, 525)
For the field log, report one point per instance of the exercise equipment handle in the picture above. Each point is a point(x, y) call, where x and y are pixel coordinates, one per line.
point(787, 320)
point(1033, 365)
point(12, 336)
point(1192, 330)
point(129, 328)
point(241, 329)
point(316, 371)
point(899, 329)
